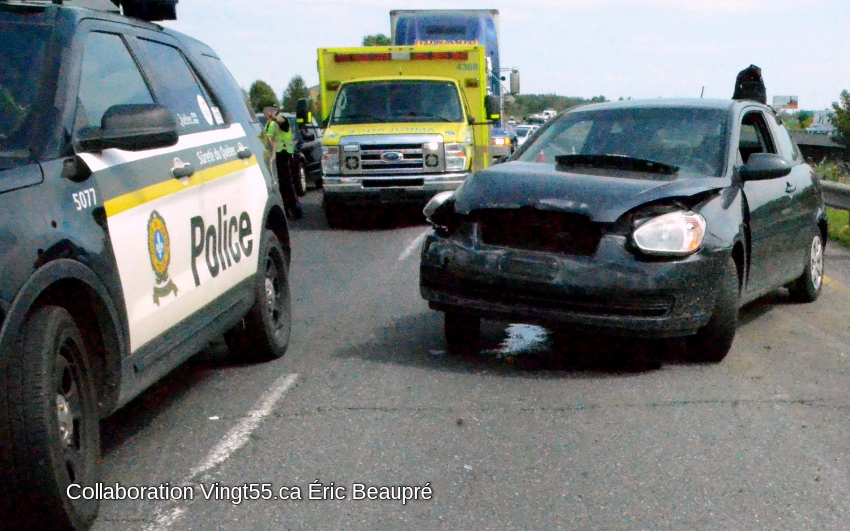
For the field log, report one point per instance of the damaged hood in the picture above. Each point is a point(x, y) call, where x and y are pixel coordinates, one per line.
point(602, 195)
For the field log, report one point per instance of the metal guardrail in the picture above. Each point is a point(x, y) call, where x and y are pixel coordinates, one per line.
point(836, 195)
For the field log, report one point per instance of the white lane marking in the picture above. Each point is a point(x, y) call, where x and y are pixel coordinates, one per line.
point(165, 517)
point(238, 435)
point(165, 521)
point(414, 245)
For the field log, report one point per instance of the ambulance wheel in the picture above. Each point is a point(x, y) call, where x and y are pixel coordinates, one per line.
point(335, 214)
point(54, 423)
point(263, 333)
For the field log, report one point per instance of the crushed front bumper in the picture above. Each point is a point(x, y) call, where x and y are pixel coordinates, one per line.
point(612, 291)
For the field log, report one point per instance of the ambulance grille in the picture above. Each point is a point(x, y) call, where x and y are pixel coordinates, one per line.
point(379, 159)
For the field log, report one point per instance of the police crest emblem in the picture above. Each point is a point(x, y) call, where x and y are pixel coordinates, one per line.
point(159, 250)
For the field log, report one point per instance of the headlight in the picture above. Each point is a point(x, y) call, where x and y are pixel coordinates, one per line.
point(455, 157)
point(330, 160)
point(499, 141)
point(673, 234)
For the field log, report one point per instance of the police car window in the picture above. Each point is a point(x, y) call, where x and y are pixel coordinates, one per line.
point(179, 89)
point(109, 76)
point(232, 95)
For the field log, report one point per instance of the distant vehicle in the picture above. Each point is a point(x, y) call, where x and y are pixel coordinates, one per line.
point(523, 132)
point(504, 143)
point(309, 153)
point(430, 27)
point(658, 218)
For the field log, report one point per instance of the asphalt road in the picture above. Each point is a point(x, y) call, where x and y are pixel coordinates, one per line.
point(534, 432)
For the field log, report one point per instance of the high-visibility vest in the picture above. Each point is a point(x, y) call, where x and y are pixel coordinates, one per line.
point(282, 139)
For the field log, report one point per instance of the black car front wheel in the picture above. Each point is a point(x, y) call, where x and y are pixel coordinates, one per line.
point(808, 286)
point(263, 333)
point(462, 331)
point(713, 341)
point(54, 423)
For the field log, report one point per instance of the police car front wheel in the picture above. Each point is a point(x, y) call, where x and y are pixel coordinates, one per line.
point(54, 421)
point(263, 333)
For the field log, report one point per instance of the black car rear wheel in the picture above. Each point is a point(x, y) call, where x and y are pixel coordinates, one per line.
point(263, 333)
point(807, 288)
point(462, 331)
point(712, 342)
point(54, 423)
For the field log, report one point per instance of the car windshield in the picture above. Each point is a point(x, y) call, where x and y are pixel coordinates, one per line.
point(397, 101)
point(691, 139)
point(24, 52)
point(523, 132)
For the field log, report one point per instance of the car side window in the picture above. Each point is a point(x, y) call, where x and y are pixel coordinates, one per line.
point(787, 148)
point(755, 136)
point(232, 96)
point(180, 89)
point(109, 76)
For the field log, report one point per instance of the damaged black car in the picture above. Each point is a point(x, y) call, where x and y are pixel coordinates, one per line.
point(656, 219)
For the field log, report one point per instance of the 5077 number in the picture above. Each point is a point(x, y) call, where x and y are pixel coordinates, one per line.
point(85, 199)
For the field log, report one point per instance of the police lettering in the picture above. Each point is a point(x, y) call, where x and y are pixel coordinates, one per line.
point(223, 244)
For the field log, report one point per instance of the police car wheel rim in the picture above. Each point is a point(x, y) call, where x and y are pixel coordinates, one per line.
point(69, 408)
point(303, 176)
point(274, 301)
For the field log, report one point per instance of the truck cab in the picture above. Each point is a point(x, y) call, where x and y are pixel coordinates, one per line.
point(417, 128)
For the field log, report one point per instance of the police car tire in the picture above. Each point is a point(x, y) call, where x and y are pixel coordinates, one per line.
point(263, 333)
point(51, 387)
point(301, 181)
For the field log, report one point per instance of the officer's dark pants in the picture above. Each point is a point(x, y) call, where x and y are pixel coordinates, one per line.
point(283, 161)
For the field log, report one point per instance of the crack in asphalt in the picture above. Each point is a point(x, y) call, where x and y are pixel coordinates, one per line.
point(811, 402)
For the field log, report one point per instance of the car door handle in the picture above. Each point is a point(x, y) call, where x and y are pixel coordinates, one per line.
point(182, 169)
point(790, 188)
point(243, 152)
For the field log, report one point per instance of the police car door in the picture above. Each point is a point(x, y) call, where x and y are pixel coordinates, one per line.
point(146, 207)
point(218, 240)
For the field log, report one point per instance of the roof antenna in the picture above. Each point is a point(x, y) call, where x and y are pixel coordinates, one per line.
point(702, 91)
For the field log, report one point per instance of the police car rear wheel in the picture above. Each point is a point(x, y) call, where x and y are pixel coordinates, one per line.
point(263, 334)
point(54, 421)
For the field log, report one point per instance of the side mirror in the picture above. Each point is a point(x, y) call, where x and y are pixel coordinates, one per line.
point(491, 108)
point(515, 81)
point(762, 166)
point(302, 111)
point(131, 128)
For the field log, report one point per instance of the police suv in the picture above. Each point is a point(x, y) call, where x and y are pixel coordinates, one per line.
point(136, 225)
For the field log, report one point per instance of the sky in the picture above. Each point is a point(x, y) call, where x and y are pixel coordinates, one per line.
point(613, 48)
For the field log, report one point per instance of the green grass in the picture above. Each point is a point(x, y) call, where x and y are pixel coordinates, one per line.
point(839, 231)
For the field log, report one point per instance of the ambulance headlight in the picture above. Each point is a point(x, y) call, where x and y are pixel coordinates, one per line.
point(455, 157)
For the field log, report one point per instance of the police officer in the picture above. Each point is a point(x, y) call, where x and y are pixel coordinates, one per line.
point(282, 144)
